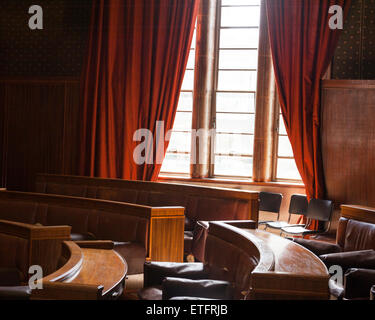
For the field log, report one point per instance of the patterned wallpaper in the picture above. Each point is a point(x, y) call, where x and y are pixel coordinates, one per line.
point(354, 57)
point(57, 50)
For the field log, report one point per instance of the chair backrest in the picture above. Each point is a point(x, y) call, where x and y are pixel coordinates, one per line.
point(320, 210)
point(270, 202)
point(298, 204)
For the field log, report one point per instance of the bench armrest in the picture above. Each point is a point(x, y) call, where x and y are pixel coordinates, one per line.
point(318, 247)
point(352, 259)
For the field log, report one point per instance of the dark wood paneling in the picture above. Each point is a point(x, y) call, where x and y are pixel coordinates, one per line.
point(2, 137)
point(348, 141)
point(40, 129)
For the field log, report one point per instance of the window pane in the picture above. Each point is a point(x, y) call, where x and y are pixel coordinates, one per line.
point(182, 121)
point(285, 149)
point(239, 38)
point(238, 59)
point(176, 163)
point(180, 142)
point(240, 16)
point(240, 2)
point(191, 61)
point(188, 83)
point(234, 144)
point(185, 102)
point(194, 40)
point(235, 123)
point(234, 166)
point(282, 129)
point(235, 102)
point(287, 169)
point(237, 80)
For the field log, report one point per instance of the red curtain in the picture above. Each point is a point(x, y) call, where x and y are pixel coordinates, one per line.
point(303, 46)
point(136, 59)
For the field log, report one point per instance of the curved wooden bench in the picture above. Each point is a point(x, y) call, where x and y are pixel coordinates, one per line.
point(130, 226)
point(200, 203)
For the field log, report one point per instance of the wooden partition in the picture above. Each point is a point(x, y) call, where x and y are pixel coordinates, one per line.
point(32, 245)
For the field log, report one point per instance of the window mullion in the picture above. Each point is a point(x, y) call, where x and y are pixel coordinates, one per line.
point(204, 82)
point(264, 140)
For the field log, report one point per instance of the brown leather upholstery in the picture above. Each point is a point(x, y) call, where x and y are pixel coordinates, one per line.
point(318, 247)
point(358, 283)
point(88, 218)
point(200, 203)
point(352, 235)
point(359, 236)
point(354, 249)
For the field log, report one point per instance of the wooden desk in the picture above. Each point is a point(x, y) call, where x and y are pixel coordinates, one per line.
point(88, 274)
point(297, 274)
point(291, 257)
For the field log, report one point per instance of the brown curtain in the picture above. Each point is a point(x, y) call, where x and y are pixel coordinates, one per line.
point(137, 55)
point(303, 46)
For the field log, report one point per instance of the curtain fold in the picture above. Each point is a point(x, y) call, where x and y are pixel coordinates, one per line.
point(303, 45)
point(136, 59)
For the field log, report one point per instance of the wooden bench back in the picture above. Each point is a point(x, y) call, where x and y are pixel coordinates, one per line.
point(200, 203)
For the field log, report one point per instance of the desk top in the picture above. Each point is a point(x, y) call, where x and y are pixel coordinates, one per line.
point(101, 267)
point(289, 256)
point(89, 273)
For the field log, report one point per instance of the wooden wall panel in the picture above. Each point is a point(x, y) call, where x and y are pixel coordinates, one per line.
point(40, 129)
point(2, 137)
point(348, 141)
